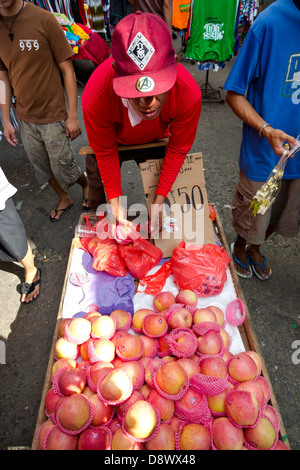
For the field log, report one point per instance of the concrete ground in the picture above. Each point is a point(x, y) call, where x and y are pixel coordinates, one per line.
point(26, 331)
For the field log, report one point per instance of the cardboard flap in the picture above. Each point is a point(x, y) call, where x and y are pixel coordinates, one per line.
point(186, 212)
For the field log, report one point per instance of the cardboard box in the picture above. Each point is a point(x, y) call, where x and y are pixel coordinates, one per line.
point(186, 212)
point(247, 333)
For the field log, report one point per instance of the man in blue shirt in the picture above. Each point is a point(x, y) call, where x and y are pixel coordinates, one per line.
point(264, 91)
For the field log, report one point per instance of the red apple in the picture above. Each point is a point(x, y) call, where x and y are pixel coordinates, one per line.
point(181, 318)
point(62, 326)
point(165, 406)
point(62, 363)
point(59, 440)
point(50, 401)
point(210, 343)
point(163, 440)
point(102, 411)
point(138, 317)
point(163, 300)
point(155, 325)
point(122, 318)
point(204, 314)
point(72, 381)
point(95, 439)
point(186, 297)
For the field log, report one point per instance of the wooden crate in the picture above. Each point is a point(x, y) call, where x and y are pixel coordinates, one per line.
point(246, 331)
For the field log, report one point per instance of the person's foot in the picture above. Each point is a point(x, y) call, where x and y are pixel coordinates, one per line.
point(258, 262)
point(31, 286)
point(61, 207)
point(241, 261)
point(85, 192)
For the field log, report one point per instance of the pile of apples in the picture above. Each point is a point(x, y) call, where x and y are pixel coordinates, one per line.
point(162, 379)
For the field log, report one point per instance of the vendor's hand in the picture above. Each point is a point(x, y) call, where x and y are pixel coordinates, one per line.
point(73, 128)
point(277, 138)
point(155, 223)
point(10, 134)
point(117, 215)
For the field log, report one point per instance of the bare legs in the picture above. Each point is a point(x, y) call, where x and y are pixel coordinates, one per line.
point(241, 249)
point(85, 189)
point(64, 199)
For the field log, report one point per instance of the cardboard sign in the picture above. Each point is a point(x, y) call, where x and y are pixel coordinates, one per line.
point(185, 214)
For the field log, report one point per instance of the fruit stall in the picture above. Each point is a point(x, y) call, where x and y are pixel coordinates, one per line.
point(150, 362)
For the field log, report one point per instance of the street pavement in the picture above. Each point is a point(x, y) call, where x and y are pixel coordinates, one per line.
point(26, 331)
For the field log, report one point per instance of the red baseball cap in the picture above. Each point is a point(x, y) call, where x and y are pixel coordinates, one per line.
point(145, 63)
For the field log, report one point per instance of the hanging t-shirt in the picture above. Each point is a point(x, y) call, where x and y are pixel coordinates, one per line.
point(212, 30)
point(181, 12)
point(31, 60)
point(267, 68)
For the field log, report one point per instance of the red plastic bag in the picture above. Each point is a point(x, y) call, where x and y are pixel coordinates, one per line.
point(106, 256)
point(155, 282)
point(140, 256)
point(200, 268)
point(212, 213)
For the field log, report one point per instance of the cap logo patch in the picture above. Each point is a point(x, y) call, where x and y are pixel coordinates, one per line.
point(140, 51)
point(145, 84)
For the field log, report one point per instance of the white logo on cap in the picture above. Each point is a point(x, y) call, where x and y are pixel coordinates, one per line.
point(140, 51)
point(145, 84)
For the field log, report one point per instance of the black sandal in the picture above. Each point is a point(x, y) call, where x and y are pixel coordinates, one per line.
point(86, 208)
point(63, 211)
point(27, 288)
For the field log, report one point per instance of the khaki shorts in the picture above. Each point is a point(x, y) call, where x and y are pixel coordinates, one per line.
point(49, 151)
point(283, 215)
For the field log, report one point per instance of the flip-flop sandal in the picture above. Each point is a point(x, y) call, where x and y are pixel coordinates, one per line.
point(262, 267)
point(63, 211)
point(244, 266)
point(27, 288)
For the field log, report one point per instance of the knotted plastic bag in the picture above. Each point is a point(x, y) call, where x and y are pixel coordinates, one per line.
point(140, 256)
point(155, 282)
point(200, 268)
point(106, 256)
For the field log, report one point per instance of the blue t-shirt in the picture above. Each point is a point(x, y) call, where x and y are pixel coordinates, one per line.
point(267, 71)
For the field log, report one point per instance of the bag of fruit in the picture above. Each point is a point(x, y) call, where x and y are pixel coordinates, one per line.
point(200, 268)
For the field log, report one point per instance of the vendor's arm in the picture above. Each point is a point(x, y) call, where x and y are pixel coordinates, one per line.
point(8, 128)
point(245, 111)
point(100, 112)
point(117, 214)
point(73, 128)
point(155, 223)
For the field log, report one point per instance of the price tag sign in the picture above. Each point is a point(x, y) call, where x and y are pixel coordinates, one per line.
point(186, 205)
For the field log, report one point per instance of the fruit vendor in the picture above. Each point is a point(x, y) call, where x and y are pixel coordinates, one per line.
point(139, 95)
